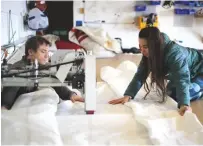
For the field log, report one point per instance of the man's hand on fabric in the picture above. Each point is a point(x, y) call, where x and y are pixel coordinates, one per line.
point(75, 98)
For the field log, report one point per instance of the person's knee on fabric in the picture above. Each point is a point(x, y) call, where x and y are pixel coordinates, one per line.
point(195, 92)
point(199, 80)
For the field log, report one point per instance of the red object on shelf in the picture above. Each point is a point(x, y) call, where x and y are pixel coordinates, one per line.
point(67, 45)
point(89, 112)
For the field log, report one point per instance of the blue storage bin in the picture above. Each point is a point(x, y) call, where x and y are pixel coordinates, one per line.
point(186, 2)
point(177, 2)
point(181, 11)
point(192, 11)
point(189, 3)
point(155, 2)
point(78, 23)
point(199, 4)
point(192, 4)
point(140, 8)
point(184, 11)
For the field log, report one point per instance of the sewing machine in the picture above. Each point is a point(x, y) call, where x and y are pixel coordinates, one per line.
point(68, 68)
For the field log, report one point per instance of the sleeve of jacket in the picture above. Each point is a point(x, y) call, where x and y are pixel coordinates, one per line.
point(8, 96)
point(180, 73)
point(137, 80)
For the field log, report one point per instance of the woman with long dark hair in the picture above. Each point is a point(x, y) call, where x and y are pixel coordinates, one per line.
point(175, 70)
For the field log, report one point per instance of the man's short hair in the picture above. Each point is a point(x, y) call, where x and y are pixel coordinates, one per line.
point(34, 43)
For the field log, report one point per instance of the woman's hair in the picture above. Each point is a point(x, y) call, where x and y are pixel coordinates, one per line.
point(34, 43)
point(155, 61)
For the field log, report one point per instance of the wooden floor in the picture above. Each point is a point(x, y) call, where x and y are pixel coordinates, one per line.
point(197, 106)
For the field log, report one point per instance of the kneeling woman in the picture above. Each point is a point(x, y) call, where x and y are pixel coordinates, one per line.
point(166, 60)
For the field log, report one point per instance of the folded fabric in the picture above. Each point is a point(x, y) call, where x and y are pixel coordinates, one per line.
point(32, 120)
point(96, 40)
point(119, 78)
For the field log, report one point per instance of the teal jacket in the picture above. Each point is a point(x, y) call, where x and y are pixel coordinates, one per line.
point(181, 63)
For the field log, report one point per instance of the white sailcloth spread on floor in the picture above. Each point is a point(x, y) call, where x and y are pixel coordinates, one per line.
point(37, 118)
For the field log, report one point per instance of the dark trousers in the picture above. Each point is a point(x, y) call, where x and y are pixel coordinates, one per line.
point(10, 94)
point(196, 89)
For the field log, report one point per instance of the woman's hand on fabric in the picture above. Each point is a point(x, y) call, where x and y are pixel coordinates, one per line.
point(75, 98)
point(121, 100)
point(183, 109)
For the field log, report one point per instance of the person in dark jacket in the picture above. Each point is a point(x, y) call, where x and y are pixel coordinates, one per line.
point(35, 48)
point(181, 66)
